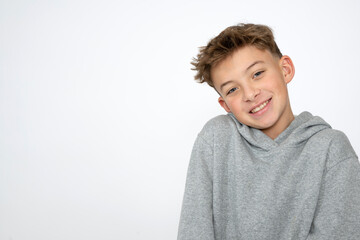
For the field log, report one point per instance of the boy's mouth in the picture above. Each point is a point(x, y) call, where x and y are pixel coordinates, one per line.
point(258, 108)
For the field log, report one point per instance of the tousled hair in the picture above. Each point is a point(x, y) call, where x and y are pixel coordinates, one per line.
point(229, 40)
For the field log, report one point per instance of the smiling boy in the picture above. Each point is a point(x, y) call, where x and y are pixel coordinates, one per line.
point(260, 172)
point(252, 86)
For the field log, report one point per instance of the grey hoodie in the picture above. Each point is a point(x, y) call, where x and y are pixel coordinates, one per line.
point(241, 184)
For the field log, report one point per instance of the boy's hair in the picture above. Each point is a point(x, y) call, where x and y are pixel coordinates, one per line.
point(229, 40)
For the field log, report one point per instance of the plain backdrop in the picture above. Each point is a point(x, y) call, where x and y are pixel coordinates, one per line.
point(99, 110)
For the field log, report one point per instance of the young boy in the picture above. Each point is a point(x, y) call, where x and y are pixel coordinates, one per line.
point(260, 172)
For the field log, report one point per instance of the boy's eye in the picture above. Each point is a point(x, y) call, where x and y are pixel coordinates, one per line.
point(231, 90)
point(257, 74)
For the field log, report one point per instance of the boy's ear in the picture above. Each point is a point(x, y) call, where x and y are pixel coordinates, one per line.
point(287, 68)
point(223, 104)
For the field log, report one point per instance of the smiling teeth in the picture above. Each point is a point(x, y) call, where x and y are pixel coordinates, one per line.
point(260, 107)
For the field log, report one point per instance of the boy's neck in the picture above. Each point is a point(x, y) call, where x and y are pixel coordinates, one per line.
point(280, 126)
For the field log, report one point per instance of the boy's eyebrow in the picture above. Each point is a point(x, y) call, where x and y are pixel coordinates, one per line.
point(225, 83)
point(253, 64)
point(250, 66)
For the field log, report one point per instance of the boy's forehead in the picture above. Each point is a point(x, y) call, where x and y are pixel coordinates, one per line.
point(242, 59)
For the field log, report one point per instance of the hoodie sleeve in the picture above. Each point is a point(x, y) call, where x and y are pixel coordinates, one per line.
point(196, 221)
point(337, 215)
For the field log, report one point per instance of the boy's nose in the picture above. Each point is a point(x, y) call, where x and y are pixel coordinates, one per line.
point(250, 93)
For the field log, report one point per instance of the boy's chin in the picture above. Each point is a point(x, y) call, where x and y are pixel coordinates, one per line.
point(258, 124)
point(261, 127)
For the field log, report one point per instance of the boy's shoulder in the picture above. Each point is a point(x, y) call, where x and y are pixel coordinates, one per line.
point(218, 125)
point(339, 146)
point(224, 120)
point(332, 142)
point(335, 138)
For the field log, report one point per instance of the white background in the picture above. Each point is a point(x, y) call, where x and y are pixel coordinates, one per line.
point(99, 110)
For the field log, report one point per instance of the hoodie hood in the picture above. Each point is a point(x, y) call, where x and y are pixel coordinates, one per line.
point(301, 129)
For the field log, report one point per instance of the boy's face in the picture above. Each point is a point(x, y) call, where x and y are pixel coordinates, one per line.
point(253, 86)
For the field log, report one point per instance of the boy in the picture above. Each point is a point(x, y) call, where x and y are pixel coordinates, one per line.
point(260, 172)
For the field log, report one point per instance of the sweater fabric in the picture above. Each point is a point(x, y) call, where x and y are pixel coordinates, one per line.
point(241, 184)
